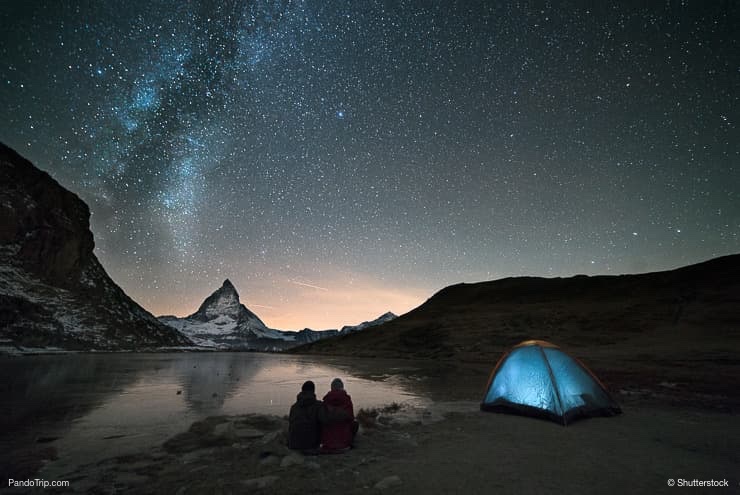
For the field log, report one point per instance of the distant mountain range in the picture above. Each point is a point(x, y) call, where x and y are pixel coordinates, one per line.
point(54, 293)
point(384, 318)
point(223, 322)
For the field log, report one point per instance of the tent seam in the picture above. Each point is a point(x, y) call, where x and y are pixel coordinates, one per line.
point(554, 384)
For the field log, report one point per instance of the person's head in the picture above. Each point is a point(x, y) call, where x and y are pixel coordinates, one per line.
point(308, 387)
point(336, 384)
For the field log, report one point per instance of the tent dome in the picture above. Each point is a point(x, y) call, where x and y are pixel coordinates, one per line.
point(536, 378)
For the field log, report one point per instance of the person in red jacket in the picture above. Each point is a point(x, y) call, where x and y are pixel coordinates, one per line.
point(339, 425)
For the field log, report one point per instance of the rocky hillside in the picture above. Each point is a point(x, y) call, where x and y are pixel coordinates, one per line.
point(53, 290)
point(699, 302)
point(671, 328)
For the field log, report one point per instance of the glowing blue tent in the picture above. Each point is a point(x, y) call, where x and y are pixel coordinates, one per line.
point(537, 378)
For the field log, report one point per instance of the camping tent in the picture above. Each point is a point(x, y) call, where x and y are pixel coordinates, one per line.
point(537, 378)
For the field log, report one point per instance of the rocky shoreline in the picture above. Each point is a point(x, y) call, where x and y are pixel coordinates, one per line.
point(446, 448)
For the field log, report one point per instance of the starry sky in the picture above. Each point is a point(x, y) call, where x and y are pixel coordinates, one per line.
point(339, 159)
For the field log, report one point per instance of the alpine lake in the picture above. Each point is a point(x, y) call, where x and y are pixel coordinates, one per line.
point(91, 406)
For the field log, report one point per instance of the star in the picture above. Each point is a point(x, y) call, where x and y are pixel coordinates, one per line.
point(400, 146)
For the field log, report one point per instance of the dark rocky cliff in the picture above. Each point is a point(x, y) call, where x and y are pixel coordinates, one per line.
point(53, 290)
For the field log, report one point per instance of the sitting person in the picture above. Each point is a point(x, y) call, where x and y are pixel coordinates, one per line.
point(338, 420)
point(304, 429)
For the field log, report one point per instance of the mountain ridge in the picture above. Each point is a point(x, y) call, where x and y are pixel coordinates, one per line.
point(384, 318)
point(472, 321)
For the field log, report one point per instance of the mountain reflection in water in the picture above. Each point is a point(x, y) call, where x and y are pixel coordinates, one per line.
point(92, 406)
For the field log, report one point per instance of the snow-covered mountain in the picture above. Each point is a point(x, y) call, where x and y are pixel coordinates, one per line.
point(225, 303)
point(54, 293)
point(367, 324)
point(306, 336)
point(223, 322)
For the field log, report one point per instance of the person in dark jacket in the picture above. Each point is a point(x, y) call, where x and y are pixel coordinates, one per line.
point(304, 427)
point(339, 426)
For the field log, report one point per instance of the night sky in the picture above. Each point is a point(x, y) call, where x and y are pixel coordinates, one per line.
point(339, 159)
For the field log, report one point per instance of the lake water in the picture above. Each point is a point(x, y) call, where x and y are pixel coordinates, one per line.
point(93, 406)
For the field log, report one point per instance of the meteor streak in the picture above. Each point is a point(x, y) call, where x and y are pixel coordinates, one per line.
point(309, 285)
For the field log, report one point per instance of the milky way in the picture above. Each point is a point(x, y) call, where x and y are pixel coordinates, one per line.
point(337, 160)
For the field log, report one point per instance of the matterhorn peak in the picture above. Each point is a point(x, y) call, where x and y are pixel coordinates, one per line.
point(223, 302)
point(228, 286)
